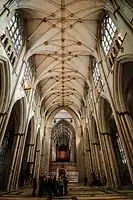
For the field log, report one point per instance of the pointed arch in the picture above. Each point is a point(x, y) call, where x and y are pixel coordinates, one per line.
point(5, 86)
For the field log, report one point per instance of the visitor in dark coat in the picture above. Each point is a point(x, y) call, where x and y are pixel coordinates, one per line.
point(61, 184)
point(41, 186)
point(49, 185)
point(45, 185)
point(34, 187)
point(65, 185)
point(55, 186)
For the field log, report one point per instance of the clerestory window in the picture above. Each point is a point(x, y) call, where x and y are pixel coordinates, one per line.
point(96, 76)
point(28, 75)
point(15, 29)
point(108, 30)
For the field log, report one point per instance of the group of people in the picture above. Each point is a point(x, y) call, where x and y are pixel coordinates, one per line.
point(50, 186)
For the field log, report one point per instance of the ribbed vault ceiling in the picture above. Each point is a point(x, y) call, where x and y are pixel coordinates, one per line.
point(61, 36)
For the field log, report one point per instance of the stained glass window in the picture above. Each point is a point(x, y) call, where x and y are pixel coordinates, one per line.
point(108, 30)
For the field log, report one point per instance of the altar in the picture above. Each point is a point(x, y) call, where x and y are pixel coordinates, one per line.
point(68, 169)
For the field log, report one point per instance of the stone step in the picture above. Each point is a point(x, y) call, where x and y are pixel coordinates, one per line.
point(68, 166)
point(72, 176)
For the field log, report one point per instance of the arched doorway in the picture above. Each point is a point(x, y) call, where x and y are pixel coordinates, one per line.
point(9, 144)
point(116, 162)
point(27, 167)
point(127, 86)
point(5, 88)
point(4, 85)
point(123, 79)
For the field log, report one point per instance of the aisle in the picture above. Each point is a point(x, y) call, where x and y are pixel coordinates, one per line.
point(76, 192)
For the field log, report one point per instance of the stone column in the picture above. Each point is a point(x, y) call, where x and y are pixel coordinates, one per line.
point(126, 140)
point(42, 163)
point(113, 172)
point(108, 171)
point(72, 152)
point(98, 171)
point(13, 170)
point(80, 160)
point(113, 161)
point(89, 165)
point(95, 166)
point(47, 150)
point(37, 163)
point(17, 167)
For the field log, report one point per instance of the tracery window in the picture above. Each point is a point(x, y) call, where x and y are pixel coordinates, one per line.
point(27, 75)
point(122, 154)
point(108, 30)
point(95, 72)
point(13, 37)
point(16, 31)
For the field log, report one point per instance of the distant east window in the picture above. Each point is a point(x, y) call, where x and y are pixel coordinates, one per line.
point(108, 30)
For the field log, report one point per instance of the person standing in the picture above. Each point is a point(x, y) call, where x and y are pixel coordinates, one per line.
point(49, 186)
point(55, 186)
point(65, 185)
point(41, 186)
point(61, 184)
point(45, 185)
point(34, 187)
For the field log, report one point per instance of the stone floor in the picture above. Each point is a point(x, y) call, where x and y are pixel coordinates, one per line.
point(76, 192)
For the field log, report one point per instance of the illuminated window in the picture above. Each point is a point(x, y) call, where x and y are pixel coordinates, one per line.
point(96, 76)
point(27, 75)
point(16, 31)
point(122, 154)
point(108, 30)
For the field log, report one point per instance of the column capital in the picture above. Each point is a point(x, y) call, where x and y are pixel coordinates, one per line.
point(88, 150)
point(105, 133)
point(18, 134)
point(3, 114)
point(123, 112)
point(95, 143)
point(30, 145)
